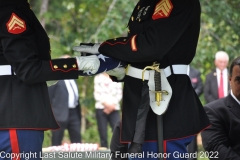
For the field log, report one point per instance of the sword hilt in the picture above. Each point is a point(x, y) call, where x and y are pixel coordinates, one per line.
point(155, 67)
point(157, 77)
point(158, 96)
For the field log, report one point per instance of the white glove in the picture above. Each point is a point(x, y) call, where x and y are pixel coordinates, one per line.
point(119, 72)
point(88, 63)
point(87, 48)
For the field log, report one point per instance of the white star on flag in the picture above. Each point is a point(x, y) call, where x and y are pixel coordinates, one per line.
point(100, 56)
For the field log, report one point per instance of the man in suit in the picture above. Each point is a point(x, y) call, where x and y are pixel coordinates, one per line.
point(195, 77)
point(217, 85)
point(66, 109)
point(222, 139)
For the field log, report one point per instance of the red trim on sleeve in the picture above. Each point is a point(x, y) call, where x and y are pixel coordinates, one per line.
point(132, 40)
point(112, 44)
point(133, 43)
point(14, 143)
point(57, 69)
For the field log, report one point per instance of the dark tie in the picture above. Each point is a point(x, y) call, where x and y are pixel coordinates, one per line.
point(220, 89)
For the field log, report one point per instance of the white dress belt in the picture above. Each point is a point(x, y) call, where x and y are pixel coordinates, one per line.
point(177, 69)
point(5, 70)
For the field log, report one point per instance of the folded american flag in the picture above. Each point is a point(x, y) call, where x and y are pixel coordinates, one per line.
point(106, 64)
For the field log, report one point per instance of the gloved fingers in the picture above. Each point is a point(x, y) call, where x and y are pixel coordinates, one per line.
point(88, 63)
point(82, 48)
point(87, 48)
point(118, 72)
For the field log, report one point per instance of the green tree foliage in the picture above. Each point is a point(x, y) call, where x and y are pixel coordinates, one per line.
point(69, 22)
point(220, 30)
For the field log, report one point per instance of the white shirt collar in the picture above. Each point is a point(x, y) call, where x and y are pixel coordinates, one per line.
point(72, 93)
point(235, 97)
point(224, 71)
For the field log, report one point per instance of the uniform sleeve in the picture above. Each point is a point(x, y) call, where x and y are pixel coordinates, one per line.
point(26, 47)
point(215, 139)
point(157, 39)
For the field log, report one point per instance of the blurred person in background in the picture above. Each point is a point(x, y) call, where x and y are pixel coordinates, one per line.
point(196, 80)
point(108, 95)
point(222, 138)
point(216, 85)
point(66, 109)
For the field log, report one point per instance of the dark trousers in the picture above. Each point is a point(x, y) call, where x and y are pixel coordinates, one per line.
point(192, 147)
point(171, 147)
point(115, 145)
point(102, 121)
point(72, 124)
point(25, 142)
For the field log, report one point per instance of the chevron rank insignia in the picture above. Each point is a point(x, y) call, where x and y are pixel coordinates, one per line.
point(16, 25)
point(162, 9)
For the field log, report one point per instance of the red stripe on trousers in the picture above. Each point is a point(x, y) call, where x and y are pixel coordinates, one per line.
point(165, 148)
point(14, 143)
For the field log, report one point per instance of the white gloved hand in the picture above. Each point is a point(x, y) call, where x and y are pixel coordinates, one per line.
point(88, 63)
point(119, 72)
point(87, 48)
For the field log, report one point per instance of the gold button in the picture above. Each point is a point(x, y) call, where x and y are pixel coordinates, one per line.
point(138, 7)
point(74, 66)
point(64, 66)
point(128, 30)
point(124, 40)
point(132, 18)
point(115, 39)
point(139, 19)
point(55, 66)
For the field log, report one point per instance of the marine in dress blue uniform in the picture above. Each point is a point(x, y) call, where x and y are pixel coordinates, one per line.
point(163, 31)
point(25, 66)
